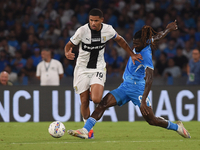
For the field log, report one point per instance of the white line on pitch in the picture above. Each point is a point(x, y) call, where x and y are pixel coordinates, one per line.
point(109, 142)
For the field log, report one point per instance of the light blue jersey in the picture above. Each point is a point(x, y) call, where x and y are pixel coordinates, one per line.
point(133, 86)
point(137, 72)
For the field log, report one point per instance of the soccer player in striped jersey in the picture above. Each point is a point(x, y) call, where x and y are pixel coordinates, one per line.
point(90, 69)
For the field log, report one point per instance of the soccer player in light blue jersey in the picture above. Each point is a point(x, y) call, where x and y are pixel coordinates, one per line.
point(137, 83)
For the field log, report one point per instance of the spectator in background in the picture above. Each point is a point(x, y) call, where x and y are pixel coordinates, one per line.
point(4, 78)
point(13, 77)
point(28, 71)
point(134, 6)
point(26, 53)
point(180, 59)
point(187, 51)
point(42, 44)
point(68, 68)
point(49, 71)
point(75, 22)
point(138, 22)
point(55, 55)
point(41, 22)
point(36, 57)
point(60, 47)
point(172, 70)
point(155, 21)
point(10, 21)
point(188, 20)
point(111, 73)
point(12, 41)
point(20, 33)
point(32, 42)
point(52, 34)
point(197, 33)
point(65, 35)
point(65, 14)
point(110, 18)
point(3, 28)
point(82, 15)
point(161, 65)
point(149, 5)
point(193, 68)
point(115, 61)
point(52, 13)
point(171, 49)
point(26, 22)
point(158, 11)
point(177, 35)
point(129, 39)
point(3, 60)
point(18, 62)
point(161, 46)
point(40, 32)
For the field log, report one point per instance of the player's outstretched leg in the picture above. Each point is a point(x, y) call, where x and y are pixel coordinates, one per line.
point(108, 101)
point(78, 133)
point(182, 131)
point(161, 122)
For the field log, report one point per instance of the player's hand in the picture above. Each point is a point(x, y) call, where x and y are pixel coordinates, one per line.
point(69, 55)
point(144, 108)
point(172, 26)
point(136, 57)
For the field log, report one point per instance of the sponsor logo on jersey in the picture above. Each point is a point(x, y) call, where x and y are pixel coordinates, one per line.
point(104, 38)
point(96, 39)
point(93, 47)
point(76, 88)
point(89, 47)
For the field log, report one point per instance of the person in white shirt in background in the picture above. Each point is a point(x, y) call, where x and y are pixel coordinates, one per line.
point(49, 71)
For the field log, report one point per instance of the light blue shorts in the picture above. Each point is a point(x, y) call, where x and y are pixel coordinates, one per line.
point(130, 92)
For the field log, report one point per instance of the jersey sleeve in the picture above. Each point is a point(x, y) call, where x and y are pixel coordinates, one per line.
point(113, 33)
point(147, 57)
point(76, 38)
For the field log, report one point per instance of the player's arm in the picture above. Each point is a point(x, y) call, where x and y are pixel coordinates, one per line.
point(38, 73)
point(148, 82)
point(68, 51)
point(121, 42)
point(188, 69)
point(61, 76)
point(170, 27)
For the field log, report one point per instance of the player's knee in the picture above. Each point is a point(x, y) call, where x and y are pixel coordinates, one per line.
point(96, 100)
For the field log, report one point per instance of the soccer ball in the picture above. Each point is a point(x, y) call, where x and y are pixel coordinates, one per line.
point(56, 129)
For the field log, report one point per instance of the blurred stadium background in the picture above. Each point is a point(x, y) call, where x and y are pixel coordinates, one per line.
point(28, 26)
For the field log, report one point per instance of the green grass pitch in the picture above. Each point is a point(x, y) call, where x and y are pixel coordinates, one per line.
point(108, 136)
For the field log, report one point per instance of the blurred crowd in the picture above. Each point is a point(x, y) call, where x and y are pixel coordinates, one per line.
point(28, 26)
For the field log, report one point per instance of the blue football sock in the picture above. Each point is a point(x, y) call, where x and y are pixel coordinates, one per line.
point(172, 126)
point(89, 124)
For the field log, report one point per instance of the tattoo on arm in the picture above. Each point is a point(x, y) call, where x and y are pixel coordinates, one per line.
point(160, 35)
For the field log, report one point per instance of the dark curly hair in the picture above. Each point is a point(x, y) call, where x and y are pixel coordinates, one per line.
point(143, 37)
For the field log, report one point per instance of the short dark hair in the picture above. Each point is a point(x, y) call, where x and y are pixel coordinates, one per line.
point(96, 12)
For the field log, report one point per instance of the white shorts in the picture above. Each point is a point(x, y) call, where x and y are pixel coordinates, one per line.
point(84, 78)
